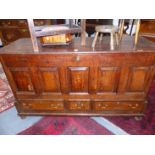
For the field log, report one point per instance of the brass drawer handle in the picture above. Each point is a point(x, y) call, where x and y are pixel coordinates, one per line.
point(102, 106)
point(79, 104)
point(54, 106)
point(25, 105)
point(134, 106)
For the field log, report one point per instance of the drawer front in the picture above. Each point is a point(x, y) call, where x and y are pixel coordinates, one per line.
point(78, 105)
point(122, 105)
point(42, 105)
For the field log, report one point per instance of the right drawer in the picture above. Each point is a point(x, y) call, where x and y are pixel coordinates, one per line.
point(119, 105)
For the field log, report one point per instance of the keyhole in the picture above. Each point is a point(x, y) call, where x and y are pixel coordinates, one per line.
point(29, 87)
point(77, 58)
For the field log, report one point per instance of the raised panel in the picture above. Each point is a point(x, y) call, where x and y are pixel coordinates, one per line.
point(108, 79)
point(22, 79)
point(50, 79)
point(138, 78)
point(78, 79)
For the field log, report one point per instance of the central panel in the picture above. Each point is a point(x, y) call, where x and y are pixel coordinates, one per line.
point(78, 79)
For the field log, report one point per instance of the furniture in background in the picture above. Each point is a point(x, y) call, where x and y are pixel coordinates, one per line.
point(145, 28)
point(115, 32)
point(13, 29)
point(92, 23)
point(50, 30)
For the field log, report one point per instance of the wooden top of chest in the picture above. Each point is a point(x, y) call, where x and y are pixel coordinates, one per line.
point(24, 46)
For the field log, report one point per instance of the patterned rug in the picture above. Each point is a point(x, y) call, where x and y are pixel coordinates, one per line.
point(66, 126)
point(6, 96)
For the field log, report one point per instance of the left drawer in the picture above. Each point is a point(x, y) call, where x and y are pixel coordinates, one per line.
point(55, 105)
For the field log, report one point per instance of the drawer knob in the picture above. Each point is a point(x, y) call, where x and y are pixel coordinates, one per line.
point(135, 106)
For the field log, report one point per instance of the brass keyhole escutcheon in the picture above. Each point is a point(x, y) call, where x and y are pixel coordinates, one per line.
point(77, 58)
point(30, 87)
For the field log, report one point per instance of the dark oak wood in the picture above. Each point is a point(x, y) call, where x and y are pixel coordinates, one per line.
point(13, 29)
point(79, 80)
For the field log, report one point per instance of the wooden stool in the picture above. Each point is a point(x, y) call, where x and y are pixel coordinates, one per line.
point(113, 30)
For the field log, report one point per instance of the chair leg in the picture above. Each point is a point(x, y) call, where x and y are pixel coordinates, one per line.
point(95, 39)
point(121, 30)
point(101, 36)
point(137, 31)
point(112, 41)
point(116, 36)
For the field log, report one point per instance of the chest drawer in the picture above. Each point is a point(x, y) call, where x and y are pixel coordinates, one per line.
point(78, 105)
point(119, 105)
point(57, 105)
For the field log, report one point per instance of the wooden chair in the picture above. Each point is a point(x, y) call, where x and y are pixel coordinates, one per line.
point(36, 32)
point(116, 33)
point(137, 31)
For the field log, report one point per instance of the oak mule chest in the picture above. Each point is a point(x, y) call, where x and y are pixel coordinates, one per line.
point(78, 80)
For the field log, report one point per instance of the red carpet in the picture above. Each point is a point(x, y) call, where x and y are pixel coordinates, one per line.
point(66, 126)
point(6, 96)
